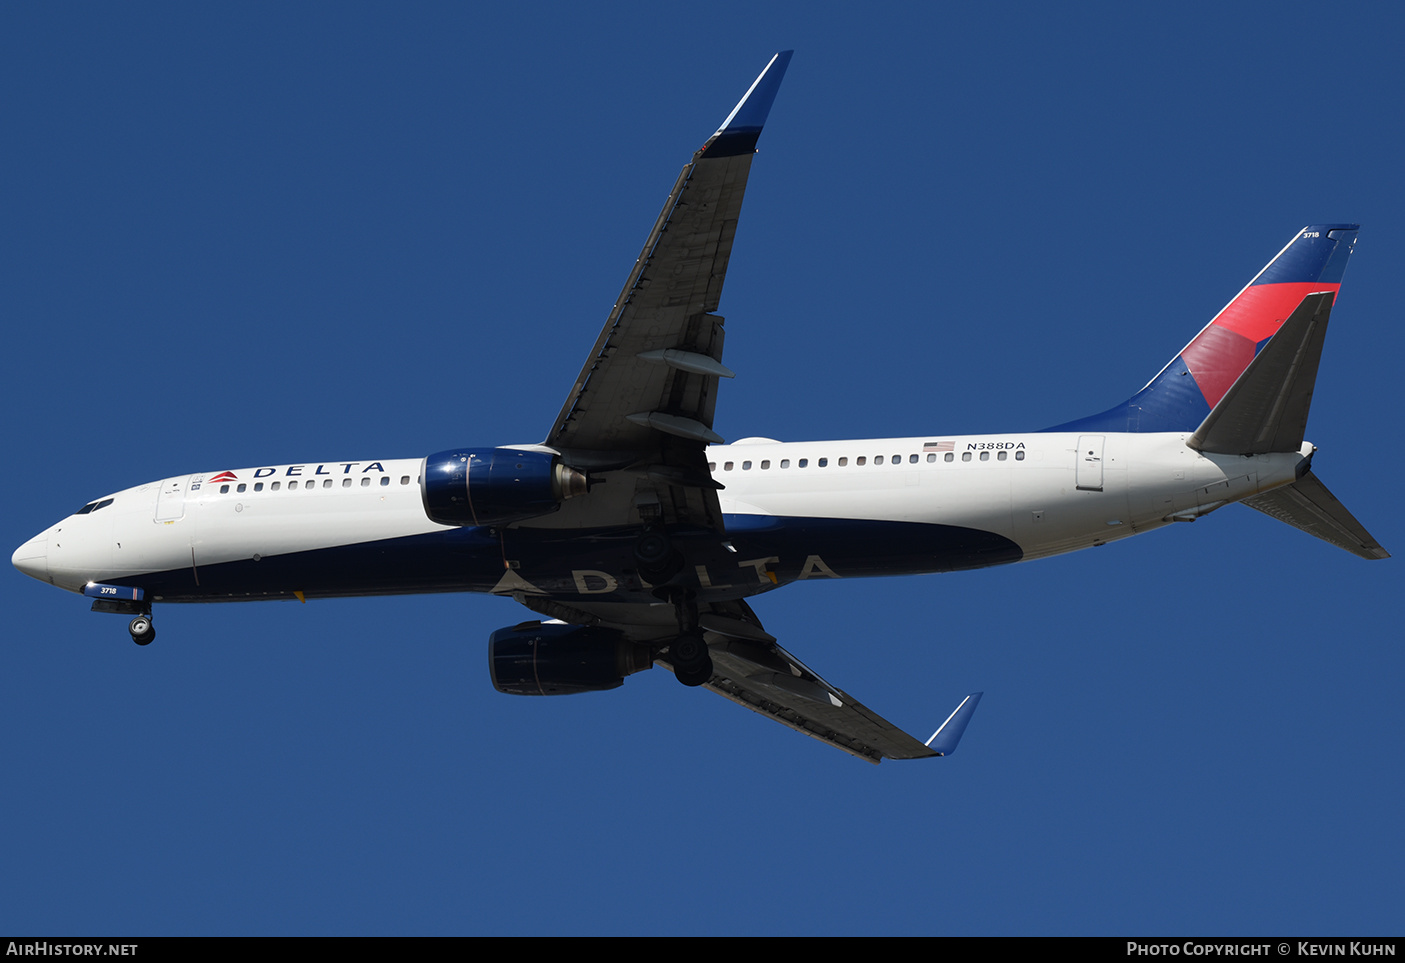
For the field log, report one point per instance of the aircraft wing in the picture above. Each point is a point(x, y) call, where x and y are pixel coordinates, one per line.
point(767, 679)
point(752, 670)
point(639, 418)
point(646, 395)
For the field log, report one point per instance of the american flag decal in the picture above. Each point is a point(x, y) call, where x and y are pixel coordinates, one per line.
point(939, 446)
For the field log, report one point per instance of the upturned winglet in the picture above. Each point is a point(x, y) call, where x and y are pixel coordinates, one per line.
point(944, 740)
point(740, 131)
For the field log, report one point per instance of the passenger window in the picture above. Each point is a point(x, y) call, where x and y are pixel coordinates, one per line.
point(1019, 456)
point(785, 462)
point(931, 457)
point(275, 486)
point(385, 480)
point(224, 489)
point(860, 460)
point(712, 466)
point(1001, 456)
point(404, 479)
point(766, 464)
point(258, 486)
point(727, 466)
point(965, 456)
point(912, 459)
point(897, 459)
point(242, 487)
point(327, 483)
point(346, 483)
point(985, 456)
point(823, 462)
point(293, 485)
point(948, 457)
point(746, 466)
point(878, 459)
point(802, 463)
point(843, 462)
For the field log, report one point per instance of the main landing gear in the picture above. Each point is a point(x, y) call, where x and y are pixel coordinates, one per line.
point(655, 555)
point(142, 630)
point(658, 561)
point(692, 663)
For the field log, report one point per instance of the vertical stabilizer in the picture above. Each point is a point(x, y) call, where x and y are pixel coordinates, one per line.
point(1185, 391)
point(1266, 409)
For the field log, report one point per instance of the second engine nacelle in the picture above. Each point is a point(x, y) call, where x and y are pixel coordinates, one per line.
point(551, 658)
point(494, 486)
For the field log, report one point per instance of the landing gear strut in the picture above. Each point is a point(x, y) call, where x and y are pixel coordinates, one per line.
point(142, 630)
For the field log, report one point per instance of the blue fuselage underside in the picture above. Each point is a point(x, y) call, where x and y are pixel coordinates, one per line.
point(559, 562)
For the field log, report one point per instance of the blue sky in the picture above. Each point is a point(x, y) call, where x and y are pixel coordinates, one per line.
point(256, 234)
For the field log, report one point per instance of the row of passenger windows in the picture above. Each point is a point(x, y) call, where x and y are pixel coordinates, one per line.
point(310, 484)
point(877, 460)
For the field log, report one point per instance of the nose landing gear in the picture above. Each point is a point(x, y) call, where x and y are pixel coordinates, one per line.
point(142, 630)
point(140, 627)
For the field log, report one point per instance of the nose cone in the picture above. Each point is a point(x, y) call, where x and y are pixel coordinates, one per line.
point(32, 558)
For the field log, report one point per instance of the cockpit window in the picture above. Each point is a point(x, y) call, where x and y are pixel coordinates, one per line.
point(93, 506)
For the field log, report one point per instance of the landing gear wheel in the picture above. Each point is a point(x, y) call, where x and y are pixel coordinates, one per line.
point(692, 663)
point(654, 554)
point(142, 630)
point(652, 548)
point(695, 677)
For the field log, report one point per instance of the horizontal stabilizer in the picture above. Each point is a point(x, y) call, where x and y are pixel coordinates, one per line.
point(1266, 408)
point(1308, 505)
point(944, 740)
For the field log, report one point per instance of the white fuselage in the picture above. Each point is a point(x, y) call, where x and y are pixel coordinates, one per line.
point(1045, 493)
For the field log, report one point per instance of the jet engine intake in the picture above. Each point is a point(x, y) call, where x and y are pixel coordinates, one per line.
point(553, 658)
point(495, 486)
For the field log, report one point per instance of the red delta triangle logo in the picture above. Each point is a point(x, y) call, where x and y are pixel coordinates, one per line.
point(225, 476)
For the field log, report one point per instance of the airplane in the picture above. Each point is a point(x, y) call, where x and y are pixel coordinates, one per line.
point(637, 534)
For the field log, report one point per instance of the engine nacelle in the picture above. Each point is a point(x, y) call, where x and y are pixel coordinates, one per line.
point(494, 486)
point(551, 658)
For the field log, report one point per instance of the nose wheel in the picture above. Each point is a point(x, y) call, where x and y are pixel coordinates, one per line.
point(142, 630)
